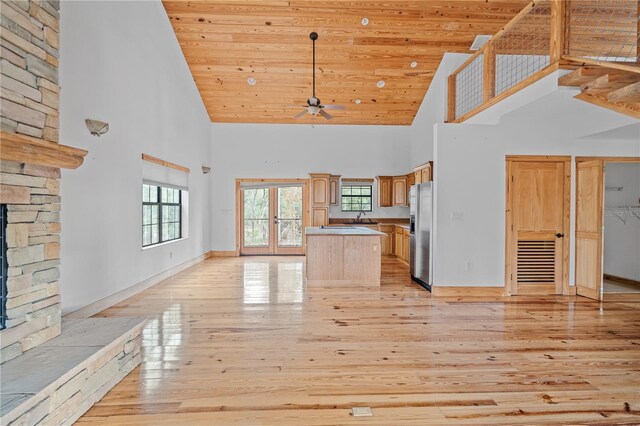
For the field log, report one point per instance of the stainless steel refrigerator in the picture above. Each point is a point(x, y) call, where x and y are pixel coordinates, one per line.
point(421, 219)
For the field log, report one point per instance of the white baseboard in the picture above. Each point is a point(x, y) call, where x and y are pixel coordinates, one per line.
point(107, 302)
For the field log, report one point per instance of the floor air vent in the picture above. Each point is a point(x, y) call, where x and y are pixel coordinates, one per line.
point(536, 261)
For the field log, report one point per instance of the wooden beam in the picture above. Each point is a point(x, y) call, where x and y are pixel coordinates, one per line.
point(367, 180)
point(451, 98)
point(156, 160)
point(624, 108)
point(489, 72)
point(624, 66)
point(558, 26)
point(630, 93)
point(25, 149)
point(585, 74)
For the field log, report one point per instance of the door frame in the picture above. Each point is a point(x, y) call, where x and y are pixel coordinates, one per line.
point(599, 255)
point(239, 204)
point(566, 216)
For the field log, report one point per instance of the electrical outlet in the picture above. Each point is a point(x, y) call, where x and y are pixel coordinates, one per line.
point(467, 265)
point(170, 254)
point(456, 215)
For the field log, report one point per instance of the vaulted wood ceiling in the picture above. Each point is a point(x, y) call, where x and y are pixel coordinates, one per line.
point(226, 42)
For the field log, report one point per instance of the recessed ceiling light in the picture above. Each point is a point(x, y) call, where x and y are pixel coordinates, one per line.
point(358, 101)
point(365, 21)
point(251, 81)
point(380, 84)
point(414, 64)
point(479, 41)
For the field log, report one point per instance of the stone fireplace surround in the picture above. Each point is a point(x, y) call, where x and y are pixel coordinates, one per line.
point(52, 369)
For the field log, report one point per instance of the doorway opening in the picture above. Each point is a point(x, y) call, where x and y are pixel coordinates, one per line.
point(537, 221)
point(608, 228)
point(271, 216)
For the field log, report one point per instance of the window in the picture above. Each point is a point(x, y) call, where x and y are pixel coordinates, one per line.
point(356, 198)
point(161, 214)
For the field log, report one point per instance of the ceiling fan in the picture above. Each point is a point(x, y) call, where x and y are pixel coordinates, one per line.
point(314, 106)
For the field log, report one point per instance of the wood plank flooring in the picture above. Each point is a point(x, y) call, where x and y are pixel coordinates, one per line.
point(240, 341)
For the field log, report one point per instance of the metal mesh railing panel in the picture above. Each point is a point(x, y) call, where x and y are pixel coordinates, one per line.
point(469, 87)
point(604, 30)
point(523, 49)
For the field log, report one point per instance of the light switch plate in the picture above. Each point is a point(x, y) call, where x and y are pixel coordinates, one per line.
point(361, 412)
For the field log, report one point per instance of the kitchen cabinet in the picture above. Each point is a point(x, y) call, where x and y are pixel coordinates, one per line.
point(411, 180)
point(334, 190)
point(387, 238)
point(405, 245)
point(320, 216)
point(399, 190)
point(398, 246)
point(423, 173)
point(384, 191)
point(319, 199)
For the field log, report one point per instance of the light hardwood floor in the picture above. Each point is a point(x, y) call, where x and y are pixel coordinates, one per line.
point(240, 341)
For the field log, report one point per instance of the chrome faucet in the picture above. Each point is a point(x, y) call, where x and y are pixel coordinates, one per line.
point(362, 213)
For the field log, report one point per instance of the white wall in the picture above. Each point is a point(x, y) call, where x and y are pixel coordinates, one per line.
point(470, 178)
point(433, 110)
point(294, 151)
point(121, 63)
point(622, 240)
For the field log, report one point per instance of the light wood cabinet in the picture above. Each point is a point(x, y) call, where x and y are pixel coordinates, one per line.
point(398, 246)
point(319, 189)
point(384, 191)
point(334, 190)
point(320, 216)
point(405, 245)
point(319, 199)
point(424, 173)
point(411, 180)
point(387, 238)
point(399, 190)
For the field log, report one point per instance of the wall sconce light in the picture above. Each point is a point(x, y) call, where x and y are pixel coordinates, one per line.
point(96, 127)
point(206, 169)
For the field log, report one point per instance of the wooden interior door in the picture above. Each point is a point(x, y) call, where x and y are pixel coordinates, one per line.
point(272, 219)
point(589, 228)
point(537, 222)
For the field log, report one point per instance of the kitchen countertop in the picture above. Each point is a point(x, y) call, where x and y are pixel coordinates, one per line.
point(373, 225)
point(342, 230)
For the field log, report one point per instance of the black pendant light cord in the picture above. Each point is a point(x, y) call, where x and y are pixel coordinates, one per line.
point(314, 68)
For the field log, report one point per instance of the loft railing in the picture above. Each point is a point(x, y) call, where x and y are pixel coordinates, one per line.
point(542, 36)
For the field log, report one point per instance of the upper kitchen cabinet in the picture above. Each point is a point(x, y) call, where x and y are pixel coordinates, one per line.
point(411, 180)
point(334, 190)
point(320, 188)
point(385, 191)
point(423, 173)
point(399, 185)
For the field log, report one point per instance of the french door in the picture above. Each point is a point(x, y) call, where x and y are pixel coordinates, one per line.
point(272, 218)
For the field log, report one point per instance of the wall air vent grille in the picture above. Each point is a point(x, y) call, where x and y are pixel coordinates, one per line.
point(536, 261)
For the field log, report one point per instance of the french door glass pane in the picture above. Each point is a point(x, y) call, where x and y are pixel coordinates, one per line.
point(256, 217)
point(290, 216)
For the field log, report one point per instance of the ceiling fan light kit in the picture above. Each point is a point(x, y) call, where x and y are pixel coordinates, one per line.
point(314, 105)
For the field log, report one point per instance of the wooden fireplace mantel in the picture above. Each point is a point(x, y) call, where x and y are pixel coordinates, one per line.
point(25, 149)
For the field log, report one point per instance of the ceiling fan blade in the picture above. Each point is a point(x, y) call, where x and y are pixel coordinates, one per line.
point(325, 114)
point(301, 114)
point(334, 106)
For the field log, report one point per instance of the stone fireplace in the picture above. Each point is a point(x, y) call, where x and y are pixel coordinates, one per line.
point(51, 373)
point(30, 186)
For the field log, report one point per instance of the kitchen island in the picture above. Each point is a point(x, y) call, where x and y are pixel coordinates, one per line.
point(343, 255)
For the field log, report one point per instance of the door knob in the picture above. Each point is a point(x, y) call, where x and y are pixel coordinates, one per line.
point(559, 235)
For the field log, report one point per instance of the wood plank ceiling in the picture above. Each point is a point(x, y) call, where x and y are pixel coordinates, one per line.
point(226, 42)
